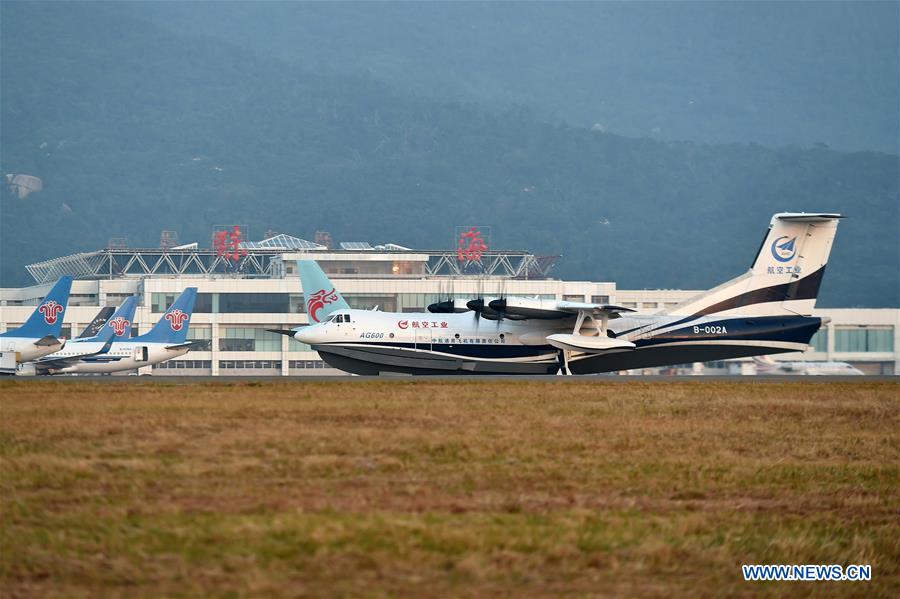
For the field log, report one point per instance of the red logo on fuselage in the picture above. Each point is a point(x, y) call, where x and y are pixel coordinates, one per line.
point(403, 324)
point(176, 319)
point(119, 324)
point(318, 300)
point(51, 311)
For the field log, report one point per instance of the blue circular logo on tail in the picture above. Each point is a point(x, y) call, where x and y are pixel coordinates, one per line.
point(784, 248)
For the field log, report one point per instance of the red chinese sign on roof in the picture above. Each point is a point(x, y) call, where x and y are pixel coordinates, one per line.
point(470, 245)
point(228, 244)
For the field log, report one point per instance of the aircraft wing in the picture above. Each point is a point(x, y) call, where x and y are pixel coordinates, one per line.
point(51, 363)
point(550, 309)
point(594, 309)
point(55, 363)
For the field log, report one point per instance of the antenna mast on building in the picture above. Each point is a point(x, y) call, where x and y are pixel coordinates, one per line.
point(168, 239)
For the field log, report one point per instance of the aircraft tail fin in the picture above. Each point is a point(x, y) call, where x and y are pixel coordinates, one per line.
point(785, 276)
point(322, 297)
point(118, 327)
point(173, 325)
point(47, 318)
point(96, 325)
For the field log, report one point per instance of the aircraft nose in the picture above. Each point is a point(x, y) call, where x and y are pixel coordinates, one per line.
point(304, 335)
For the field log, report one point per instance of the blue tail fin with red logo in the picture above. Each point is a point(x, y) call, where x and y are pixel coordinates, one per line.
point(47, 318)
point(322, 297)
point(173, 326)
point(118, 327)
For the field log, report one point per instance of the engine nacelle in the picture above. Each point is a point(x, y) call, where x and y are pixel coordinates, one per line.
point(520, 308)
point(455, 306)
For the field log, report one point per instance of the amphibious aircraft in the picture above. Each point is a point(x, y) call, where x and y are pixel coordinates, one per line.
point(766, 310)
point(116, 329)
point(166, 340)
point(40, 335)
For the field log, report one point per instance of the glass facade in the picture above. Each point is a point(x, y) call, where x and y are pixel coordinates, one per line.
point(863, 339)
point(254, 303)
point(249, 339)
point(236, 303)
point(294, 303)
point(249, 364)
point(160, 301)
point(182, 364)
point(201, 336)
point(306, 364)
point(386, 302)
point(294, 345)
point(819, 341)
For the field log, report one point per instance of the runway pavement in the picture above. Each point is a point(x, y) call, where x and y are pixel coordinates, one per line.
point(598, 379)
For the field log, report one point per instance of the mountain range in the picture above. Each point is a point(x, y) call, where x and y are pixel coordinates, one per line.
point(136, 121)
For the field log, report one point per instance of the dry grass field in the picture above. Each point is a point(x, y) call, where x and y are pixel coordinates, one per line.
point(435, 488)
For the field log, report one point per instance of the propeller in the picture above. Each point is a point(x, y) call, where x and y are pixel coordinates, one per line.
point(485, 307)
point(447, 306)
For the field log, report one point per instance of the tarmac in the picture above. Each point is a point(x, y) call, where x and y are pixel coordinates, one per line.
point(596, 379)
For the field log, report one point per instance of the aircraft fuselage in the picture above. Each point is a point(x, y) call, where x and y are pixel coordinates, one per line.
point(124, 356)
point(26, 348)
point(364, 342)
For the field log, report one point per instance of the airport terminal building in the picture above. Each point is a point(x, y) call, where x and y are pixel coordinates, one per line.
point(257, 288)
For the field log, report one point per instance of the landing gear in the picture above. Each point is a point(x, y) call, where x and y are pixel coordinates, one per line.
point(563, 357)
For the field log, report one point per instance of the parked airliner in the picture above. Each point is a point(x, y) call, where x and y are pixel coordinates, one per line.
point(766, 310)
point(766, 365)
point(166, 340)
point(114, 330)
point(40, 335)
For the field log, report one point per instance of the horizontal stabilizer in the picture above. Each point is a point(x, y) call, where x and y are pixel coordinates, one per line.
point(187, 344)
point(803, 217)
point(47, 341)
